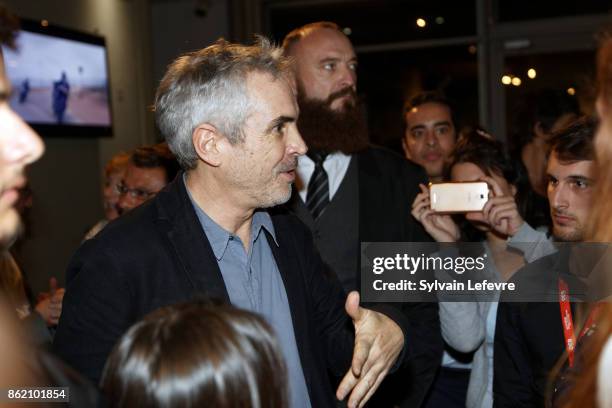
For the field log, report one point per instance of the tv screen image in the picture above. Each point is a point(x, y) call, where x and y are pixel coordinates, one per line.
point(60, 81)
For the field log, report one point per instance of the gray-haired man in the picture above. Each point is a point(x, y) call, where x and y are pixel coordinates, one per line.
point(229, 115)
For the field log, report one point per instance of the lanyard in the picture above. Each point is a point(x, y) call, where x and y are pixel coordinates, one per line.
point(568, 323)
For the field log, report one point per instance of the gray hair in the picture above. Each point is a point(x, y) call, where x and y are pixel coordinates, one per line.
point(209, 86)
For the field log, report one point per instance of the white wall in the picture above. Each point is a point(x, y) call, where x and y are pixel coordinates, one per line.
point(66, 181)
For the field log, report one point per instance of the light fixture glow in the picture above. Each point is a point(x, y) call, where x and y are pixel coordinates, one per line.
point(531, 73)
point(571, 91)
point(439, 20)
point(421, 22)
point(506, 80)
point(516, 81)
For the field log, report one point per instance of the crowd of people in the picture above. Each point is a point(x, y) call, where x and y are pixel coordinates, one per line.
point(226, 269)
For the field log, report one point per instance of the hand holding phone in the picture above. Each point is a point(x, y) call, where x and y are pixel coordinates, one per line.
point(441, 227)
point(501, 211)
point(483, 201)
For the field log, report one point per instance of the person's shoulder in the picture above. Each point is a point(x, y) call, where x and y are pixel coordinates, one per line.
point(534, 283)
point(389, 159)
point(133, 234)
point(540, 270)
point(135, 222)
point(122, 248)
point(375, 152)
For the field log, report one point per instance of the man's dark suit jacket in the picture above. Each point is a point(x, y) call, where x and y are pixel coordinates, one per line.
point(529, 336)
point(388, 184)
point(158, 255)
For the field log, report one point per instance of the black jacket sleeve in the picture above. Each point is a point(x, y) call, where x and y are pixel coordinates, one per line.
point(95, 311)
point(512, 374)
point(327, 298)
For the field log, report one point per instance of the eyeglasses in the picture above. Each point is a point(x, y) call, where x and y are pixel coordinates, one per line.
point(135, 193)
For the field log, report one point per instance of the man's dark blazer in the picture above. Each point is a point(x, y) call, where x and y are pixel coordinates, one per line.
point(158, 255)
point(388, 184)
point(529, 336)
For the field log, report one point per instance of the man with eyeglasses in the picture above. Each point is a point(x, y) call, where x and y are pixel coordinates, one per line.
point(149, 169)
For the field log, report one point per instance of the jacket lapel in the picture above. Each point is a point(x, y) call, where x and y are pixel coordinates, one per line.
point(187, 238)
point(372, 198)
point(289, 270)
point(296, 206)
point(291, 274)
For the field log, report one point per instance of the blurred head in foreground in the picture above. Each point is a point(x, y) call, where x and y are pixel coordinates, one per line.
point(19, 144)
point(194, 355)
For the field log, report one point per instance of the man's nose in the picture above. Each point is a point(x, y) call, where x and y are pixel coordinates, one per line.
point(296, 144)
point(431, 139)
point(559, 197)
point(25, 146)
point(348, 76)
point(125, 203)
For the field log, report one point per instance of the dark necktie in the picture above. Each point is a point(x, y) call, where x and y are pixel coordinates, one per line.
point(317, 196)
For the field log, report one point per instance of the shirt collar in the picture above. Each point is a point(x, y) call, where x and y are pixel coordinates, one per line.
point(305, 160)
point(219, 238)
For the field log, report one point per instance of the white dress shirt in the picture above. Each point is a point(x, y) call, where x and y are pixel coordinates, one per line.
point(335, 164)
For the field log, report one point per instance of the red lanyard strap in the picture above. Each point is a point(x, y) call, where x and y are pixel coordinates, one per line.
point(568, 322)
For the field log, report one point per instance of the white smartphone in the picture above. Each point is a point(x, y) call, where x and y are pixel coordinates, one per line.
point(458, 197)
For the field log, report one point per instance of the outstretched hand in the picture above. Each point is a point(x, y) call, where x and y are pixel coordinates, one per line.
point(378, 343)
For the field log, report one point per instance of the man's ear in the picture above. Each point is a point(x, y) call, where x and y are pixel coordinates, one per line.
point(206, 139)
point(539, 132)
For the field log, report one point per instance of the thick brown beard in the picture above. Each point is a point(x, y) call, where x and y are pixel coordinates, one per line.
point(327, 130)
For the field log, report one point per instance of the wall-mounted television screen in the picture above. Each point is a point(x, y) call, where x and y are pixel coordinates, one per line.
point(60, 81)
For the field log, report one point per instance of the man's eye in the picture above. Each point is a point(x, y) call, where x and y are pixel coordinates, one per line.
point(581, 184)
point(442, 130)
point(280, 129)
point(353, 66)
point(417, 134)
point(330, 66)
point(552, 182)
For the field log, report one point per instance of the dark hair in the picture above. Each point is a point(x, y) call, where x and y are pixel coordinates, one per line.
point(297, 34)
point(544, 107)
point(158, 155)
point(194, 355)
point(478, 147)
point(574, 142)
point(117, 163)
point(429, 97)
point(9, 25)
